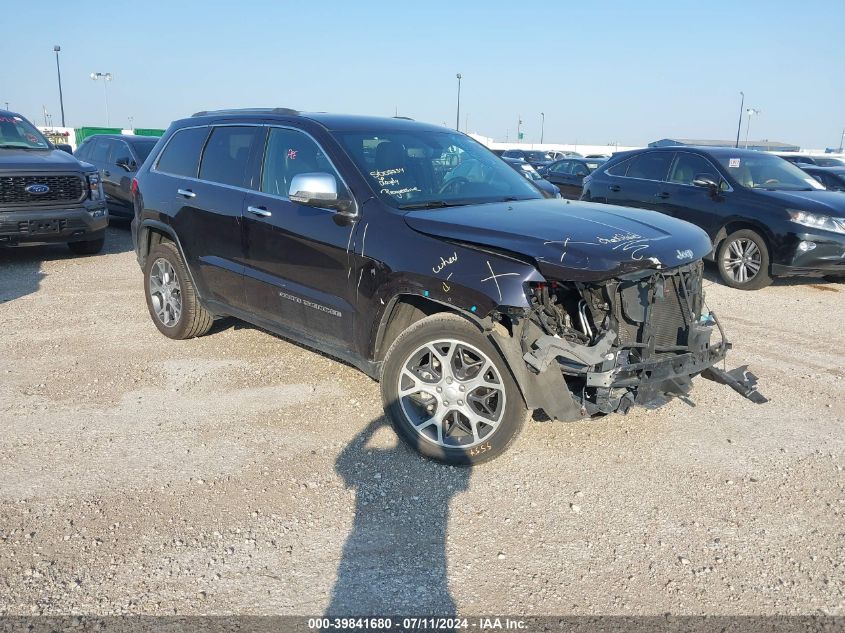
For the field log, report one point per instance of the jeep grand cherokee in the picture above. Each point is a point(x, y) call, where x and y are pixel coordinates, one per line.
point(414, 253)
point(46, 195)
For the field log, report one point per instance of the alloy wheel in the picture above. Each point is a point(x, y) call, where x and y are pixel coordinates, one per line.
point(451, 393)
point(742, 260)
point(165, 292)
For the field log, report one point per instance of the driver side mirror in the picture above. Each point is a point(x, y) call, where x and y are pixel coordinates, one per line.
point(126, 163)
point(319, 189)
point(708, 181)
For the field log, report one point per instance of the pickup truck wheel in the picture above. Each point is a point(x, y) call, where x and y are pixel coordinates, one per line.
point(448, 392)
point(743, 260)
point(91, 247)
point(171, 297)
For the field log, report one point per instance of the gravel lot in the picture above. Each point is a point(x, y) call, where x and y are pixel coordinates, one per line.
point(240, 473)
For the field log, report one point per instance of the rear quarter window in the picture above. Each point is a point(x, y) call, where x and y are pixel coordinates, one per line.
point(181, 155)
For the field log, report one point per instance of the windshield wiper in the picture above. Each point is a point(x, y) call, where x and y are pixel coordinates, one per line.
point(430, 204)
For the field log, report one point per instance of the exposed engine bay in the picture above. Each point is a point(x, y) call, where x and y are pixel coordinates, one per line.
point(628, 340)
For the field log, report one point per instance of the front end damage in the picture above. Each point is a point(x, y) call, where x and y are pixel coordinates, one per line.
point(602, 347)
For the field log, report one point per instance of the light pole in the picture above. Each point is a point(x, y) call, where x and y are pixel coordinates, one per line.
point(750, 112)
point(106, 77)
point(841, 138)
point(131, 122)
point(739, 125)
point(56, 49)
point(518, 128)
point(458, 115)
point(542, 126)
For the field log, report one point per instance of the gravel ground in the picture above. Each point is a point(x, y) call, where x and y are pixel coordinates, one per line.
point(240, 473)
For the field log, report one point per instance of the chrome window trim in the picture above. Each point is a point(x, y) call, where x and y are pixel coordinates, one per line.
point(671, 163)
point(154, 167)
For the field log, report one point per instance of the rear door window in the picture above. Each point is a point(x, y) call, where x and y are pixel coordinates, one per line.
point(562, 167)
point(181, 155)
point(227, 153)
point(100, 151)
point(650, 166)
point(620, 168)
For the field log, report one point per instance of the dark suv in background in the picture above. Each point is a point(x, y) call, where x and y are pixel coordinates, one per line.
point(47, 195)
point(117, 157)
point(415, 254)
point(765, 217)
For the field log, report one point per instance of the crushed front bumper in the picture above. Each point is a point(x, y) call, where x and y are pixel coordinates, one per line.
point(615, 385)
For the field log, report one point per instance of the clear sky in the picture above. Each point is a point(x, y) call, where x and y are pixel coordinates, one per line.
point(627, 72)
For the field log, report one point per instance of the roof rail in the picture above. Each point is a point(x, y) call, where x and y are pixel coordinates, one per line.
point(287, 111)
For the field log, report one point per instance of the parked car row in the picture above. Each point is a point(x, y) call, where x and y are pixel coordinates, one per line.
point(764, 216)
point(820, 161)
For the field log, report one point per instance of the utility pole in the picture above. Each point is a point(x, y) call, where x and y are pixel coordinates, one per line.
point(750, 112)
point(841, 138)
point(58, 48)
point(542, 126)
point(518, 128)
point(458, 115)
point(739, 125)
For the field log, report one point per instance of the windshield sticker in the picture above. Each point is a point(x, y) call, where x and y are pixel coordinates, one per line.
point(32, 138)
point(445, 262)
point(7, 119)
point(292, 154)
point(815, 184)
point(733, 162)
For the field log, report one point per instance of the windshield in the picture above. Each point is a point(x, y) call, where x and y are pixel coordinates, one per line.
point(829, 162)
point(535, 156)
point(16, 132)
point(527, 170)
point(425, 168)
point(768, 172)
point(143, 149)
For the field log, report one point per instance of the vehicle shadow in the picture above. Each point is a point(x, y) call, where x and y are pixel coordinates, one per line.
point(712, 275)
point(21, 271)
point(394, 560)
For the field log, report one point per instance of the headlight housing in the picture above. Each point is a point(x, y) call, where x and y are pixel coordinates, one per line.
point(817, 221)
point(95, 186)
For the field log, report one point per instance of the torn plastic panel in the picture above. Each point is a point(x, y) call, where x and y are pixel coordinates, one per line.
point(623, 341)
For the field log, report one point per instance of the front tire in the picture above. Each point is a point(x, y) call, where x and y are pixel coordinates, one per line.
point(171, 297)
point(743, 260)
point(449, 394)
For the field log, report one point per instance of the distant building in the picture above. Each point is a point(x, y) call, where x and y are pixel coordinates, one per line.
point(765, 145)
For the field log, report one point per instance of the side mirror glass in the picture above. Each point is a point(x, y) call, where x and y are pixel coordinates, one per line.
point(65, 148)
point(708, 181)
point(319, 189)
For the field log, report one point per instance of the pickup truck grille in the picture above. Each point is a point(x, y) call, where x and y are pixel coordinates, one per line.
point(68, 189)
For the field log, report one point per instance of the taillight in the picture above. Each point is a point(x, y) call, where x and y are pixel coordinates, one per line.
point(134, 187)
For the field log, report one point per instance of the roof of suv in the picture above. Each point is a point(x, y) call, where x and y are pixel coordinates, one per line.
point(125, 137)
point(334, 122)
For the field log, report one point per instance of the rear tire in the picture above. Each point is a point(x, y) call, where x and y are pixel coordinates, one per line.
point(172, 299)
point(91, 247)
point(743, 260)
point(448, 392)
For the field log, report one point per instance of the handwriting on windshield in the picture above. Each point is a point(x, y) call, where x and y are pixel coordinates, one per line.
point(445, 262)
point(400, 192)
point(385, 177)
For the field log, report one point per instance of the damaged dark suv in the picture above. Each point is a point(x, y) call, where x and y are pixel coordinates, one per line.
point(415, 254)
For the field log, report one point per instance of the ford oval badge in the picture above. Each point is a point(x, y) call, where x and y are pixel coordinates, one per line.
point(37, 189)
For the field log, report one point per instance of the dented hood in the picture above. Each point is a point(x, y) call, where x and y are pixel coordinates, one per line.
point(570, 240)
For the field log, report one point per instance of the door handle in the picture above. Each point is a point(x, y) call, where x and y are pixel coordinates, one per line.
point(662, 195)
point(614, 187)
point(264, 213)
point(186, 192)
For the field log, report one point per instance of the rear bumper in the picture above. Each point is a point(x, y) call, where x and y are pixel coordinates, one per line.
point(40, 226)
